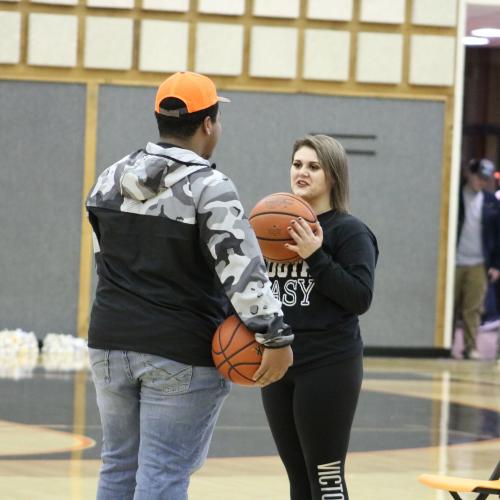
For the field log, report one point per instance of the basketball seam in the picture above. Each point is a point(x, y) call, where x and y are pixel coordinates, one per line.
point(294, 197)
point(277, 239)
point(223, 351)
point(226, 359)
point(284, 261)
point(230, 340)
point(279, 213)
point(239, 373)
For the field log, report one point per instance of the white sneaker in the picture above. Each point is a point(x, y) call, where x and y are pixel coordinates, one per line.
point(474, 354)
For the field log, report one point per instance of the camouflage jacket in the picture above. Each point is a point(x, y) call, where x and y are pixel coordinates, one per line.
point(172, 245)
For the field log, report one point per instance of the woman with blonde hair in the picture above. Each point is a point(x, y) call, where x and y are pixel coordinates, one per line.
point(311, 409)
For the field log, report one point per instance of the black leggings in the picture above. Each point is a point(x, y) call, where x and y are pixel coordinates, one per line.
point(310, 414)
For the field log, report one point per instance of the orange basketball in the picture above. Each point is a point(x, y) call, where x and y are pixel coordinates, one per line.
point(270, 220)
point(235, 352)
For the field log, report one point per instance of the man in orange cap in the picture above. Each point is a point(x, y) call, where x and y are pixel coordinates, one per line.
point(174, 254)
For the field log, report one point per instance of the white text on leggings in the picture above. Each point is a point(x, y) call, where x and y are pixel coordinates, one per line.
point(330, 481)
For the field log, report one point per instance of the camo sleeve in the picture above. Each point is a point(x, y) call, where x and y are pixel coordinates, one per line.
point(236, 256)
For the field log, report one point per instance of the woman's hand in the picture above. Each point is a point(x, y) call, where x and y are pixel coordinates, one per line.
point(306, 242)
point(275, 363)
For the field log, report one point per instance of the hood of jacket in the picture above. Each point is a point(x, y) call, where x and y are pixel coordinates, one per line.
point(148, 172)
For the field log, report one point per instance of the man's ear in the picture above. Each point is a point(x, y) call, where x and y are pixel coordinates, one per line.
point(207, 125)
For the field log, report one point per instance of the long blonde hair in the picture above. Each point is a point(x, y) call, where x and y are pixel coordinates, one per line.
point(333, 161)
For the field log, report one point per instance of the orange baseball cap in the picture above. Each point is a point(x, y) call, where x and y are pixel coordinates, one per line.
point(196, 91)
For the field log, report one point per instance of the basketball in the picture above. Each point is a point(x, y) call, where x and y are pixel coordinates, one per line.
point(270, 220)
point(236, 353)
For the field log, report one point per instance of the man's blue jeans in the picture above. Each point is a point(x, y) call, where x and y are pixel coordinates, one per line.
point(158, 417)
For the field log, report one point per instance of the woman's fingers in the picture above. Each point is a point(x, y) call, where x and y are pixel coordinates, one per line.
point(304, 227)
point(294, 233)
point(306, 241)
point(293, 248)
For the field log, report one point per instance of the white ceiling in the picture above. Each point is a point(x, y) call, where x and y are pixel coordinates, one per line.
point(483, 16)
point(484, 2)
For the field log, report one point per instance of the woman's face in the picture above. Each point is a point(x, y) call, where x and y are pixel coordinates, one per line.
point(308, 179)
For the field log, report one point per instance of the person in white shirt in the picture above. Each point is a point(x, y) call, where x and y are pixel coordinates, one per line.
point(478, 249)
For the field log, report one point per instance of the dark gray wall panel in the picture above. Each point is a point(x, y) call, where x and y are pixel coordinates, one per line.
point(396, 190)
point(126, 122)
point(41, 140)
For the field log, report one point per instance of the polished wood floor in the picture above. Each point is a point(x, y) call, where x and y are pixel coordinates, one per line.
point(415, 416)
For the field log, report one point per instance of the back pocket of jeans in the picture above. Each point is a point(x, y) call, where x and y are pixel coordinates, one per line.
point(166, 375)
point(99, 363)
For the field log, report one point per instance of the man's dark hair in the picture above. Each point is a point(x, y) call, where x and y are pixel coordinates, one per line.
point(185, 126)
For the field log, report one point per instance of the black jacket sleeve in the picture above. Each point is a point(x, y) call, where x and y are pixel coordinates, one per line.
point(347, 276)
point(490, 233)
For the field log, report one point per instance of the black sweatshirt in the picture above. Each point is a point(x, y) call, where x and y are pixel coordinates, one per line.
point(323, 296)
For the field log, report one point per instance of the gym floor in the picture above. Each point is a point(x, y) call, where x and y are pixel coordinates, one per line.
point(414, 416)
